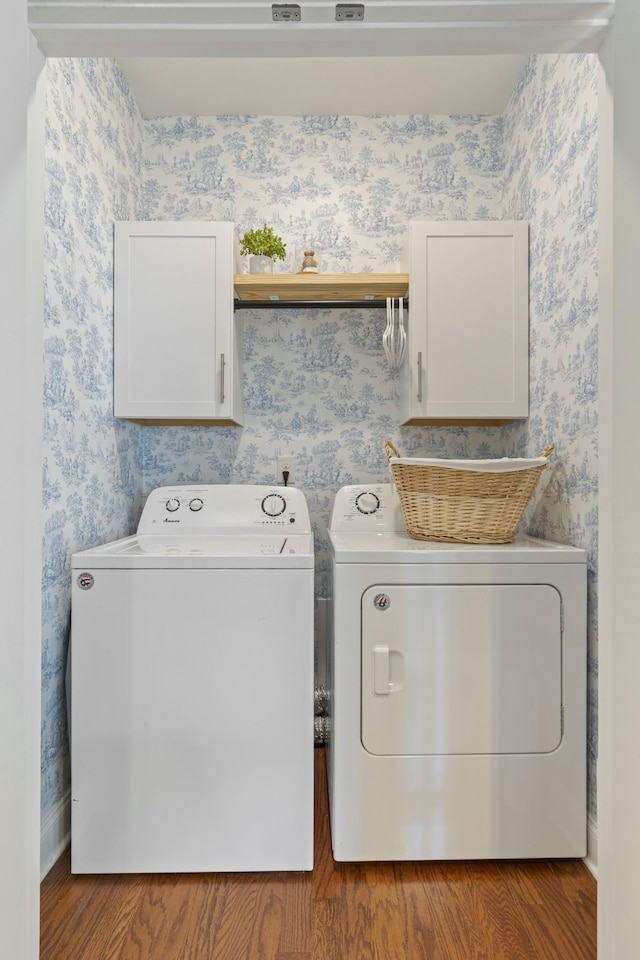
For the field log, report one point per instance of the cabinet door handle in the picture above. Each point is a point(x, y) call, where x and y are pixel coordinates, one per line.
point(419, 377)
point(222, 378)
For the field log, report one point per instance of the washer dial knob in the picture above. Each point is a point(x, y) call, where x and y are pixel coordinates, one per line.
point(172, 505)
point(196, 504)
point(367, 502)
point(273, 505)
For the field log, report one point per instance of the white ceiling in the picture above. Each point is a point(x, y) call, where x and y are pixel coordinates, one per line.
point(323, 86)
point(246, 28)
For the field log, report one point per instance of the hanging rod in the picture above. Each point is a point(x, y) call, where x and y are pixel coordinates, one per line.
point(311, 304)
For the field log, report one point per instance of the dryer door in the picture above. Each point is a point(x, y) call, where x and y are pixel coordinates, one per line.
point(461, 669)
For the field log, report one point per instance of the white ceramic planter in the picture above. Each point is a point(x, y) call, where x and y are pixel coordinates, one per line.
point(258, 264)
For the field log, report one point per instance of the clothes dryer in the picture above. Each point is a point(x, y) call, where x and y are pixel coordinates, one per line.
point(458, 692)
point(192, 701)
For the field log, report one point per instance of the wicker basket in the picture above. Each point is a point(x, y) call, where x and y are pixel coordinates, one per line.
point(473, 505)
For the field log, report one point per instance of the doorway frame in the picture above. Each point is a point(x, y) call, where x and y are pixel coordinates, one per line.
point(21, 384)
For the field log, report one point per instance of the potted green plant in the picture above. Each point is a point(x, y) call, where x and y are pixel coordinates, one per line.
point(263, 246)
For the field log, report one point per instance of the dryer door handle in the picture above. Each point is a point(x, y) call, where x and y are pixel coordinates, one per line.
point(381, 674)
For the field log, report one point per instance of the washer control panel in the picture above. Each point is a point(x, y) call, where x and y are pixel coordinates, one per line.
point(363, 507)
point(224, 508)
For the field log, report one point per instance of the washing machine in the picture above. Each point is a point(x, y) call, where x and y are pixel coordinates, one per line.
point(458, 692)
point(192, 731)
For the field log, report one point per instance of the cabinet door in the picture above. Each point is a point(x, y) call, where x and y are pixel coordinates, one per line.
point(176, 351)
point(468, 355)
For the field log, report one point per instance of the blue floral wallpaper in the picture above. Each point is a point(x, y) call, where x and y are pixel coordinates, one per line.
point(316, 383)
point(551, 179)
point(92, 484)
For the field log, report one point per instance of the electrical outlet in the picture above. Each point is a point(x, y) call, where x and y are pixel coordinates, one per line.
point(287, 462)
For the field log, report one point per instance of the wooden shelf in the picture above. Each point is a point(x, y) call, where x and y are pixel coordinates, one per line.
point(320, 286)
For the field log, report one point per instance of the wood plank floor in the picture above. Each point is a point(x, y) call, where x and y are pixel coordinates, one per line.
point(526, 910)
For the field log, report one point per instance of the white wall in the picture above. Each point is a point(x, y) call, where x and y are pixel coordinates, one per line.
point(619, 786)
point(20, 561)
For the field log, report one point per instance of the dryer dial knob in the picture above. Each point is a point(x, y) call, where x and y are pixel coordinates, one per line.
point(367, 502)
point(173, 505)
point(196, 504)
point(273, 505)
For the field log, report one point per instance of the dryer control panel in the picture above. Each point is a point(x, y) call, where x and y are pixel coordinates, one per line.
point(373, 506)
point(209, 509)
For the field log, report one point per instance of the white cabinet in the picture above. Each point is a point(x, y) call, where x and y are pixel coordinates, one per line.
point(177, 351)
point(467, 352)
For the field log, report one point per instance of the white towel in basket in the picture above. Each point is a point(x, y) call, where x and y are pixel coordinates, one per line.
point(504, 465)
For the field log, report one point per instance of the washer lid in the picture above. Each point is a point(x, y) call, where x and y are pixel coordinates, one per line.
point(395, 546)
point(242, 551)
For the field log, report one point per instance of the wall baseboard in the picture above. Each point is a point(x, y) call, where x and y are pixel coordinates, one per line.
point(55, 834)
point(591, 859)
